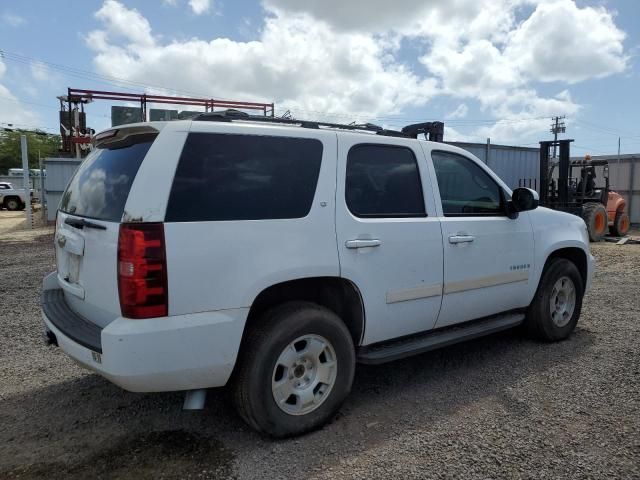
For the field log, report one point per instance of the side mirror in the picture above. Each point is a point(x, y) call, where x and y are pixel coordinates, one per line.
point(524, 199)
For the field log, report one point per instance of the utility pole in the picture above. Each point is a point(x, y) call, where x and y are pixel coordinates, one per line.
point(557, 127)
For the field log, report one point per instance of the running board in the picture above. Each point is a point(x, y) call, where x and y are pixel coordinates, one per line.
point(416, 344)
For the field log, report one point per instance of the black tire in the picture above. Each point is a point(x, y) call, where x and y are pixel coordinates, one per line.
point(620, 225)
point(251, 385)
point(539, 323)
point(595, 216)
point(12, 203)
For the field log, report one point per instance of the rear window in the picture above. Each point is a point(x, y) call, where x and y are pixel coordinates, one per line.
point(100, 187)
point(244, 177)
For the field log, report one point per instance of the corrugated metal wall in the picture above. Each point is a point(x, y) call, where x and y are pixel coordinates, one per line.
point(624, 178)
point(512, 164)
point(59, 173)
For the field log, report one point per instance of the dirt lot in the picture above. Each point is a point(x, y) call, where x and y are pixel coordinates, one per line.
point(12, 221)
point(499, 407)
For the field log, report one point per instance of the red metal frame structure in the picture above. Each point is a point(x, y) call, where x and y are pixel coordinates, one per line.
point(78, 97)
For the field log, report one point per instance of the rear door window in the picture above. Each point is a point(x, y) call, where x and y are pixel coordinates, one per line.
point(383, 181)
point(244, 177)
point(101, 185)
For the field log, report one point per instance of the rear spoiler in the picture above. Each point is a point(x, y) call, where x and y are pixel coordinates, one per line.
point(122, 136)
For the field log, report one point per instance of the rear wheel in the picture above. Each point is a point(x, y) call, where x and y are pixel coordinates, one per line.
point(595, 216)
point(620, 225)
point(12, 203)
point(555, 309)
point(295, 369)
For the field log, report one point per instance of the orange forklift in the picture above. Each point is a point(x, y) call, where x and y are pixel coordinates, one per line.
point(584, 194)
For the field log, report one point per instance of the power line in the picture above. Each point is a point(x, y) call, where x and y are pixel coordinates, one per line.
point(610, 131)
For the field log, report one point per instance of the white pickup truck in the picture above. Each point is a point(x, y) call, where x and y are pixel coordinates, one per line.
point(273, 255)
point(13, 198)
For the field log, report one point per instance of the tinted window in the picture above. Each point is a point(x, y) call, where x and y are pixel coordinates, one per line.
point(100, 187)
point(244, 177)
point(383, 181)
point(465, 188)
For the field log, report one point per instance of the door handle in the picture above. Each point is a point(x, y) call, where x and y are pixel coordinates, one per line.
point(362, 243)
point(461, 238)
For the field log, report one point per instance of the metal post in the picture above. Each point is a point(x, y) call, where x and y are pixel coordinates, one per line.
point(563, 173)
point(488, 151)
point(544, 172)
point(25, 180)
point(555, 137)
point(632, 173)
point(43, 206)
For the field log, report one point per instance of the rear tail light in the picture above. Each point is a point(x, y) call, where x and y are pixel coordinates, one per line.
point(142, 270)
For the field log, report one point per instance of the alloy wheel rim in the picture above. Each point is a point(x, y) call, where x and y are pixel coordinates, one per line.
point(562, 302)
point(304, 375)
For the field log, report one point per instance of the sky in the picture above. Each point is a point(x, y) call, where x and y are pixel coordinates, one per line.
point(498, 69)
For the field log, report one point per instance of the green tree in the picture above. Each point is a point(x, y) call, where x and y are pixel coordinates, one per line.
point(11, 156)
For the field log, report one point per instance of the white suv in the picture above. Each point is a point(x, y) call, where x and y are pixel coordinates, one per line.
point(273, 256)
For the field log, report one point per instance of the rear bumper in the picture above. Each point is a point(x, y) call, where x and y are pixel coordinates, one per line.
point(181, 352)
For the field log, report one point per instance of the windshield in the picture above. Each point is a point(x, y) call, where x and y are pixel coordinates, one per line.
point(100, 187)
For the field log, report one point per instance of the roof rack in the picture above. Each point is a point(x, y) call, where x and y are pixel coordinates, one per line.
point(411, 131)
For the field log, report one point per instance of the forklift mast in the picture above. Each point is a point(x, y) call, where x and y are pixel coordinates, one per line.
point(547, 185)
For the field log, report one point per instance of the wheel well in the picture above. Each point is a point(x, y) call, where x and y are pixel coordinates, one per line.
point(574, 255)
point(337, 294)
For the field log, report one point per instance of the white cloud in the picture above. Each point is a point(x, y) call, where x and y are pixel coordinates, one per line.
point(561, 42)
point(11, 110)
point(200, 6)
point(460, 111)
point(13, 20)
point(335, 56)
point(40, 71)
point(525, 113)
point(327, 71)
point(124, 23)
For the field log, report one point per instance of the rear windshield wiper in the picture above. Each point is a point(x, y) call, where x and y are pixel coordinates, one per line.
point(81, 223)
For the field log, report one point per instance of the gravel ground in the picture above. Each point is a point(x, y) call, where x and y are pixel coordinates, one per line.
point(498, 407)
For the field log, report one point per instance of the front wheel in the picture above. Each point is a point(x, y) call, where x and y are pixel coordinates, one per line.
point(595, 216)
point(295, 369)
point(555, 309)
